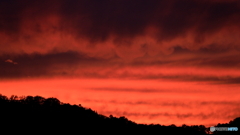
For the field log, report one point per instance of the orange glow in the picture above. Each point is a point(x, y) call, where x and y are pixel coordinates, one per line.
point(142, 101)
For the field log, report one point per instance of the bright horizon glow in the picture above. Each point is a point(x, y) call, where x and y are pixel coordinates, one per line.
point(142, 101)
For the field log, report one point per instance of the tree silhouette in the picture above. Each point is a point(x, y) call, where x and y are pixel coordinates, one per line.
point(50, 116)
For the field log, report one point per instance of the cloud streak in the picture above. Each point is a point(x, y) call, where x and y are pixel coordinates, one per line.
point(11, 61)
point(75, 64)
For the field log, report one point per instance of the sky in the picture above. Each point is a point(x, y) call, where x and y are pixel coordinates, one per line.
point(152, 61)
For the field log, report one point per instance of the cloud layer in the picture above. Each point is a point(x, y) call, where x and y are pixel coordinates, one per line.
point(129, 29)
point(137, 51)
point(62, 37)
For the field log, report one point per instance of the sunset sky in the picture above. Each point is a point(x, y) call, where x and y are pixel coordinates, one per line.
point(152, 61)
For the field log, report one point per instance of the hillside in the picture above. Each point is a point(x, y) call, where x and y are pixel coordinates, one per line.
point(34, 115)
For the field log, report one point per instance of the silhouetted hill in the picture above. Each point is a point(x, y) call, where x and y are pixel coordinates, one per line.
point(38, 115)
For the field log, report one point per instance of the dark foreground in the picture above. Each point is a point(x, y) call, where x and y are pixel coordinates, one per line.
point(37, 115)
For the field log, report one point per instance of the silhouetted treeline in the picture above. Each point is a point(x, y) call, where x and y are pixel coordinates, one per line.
point(232, 123)
point(38, 115)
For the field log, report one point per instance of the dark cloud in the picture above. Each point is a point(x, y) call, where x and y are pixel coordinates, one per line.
point(192, 78)
point(129, 90)
point(38, 65)
point(97, 38)
point(201, 116)
point(75, 64)
point(211, 56)
point(188, 104)
point(98, 21)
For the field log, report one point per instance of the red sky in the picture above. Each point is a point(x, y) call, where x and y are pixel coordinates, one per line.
point(152, 61)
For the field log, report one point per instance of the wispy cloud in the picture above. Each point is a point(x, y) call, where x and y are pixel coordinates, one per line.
point(11, 61)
